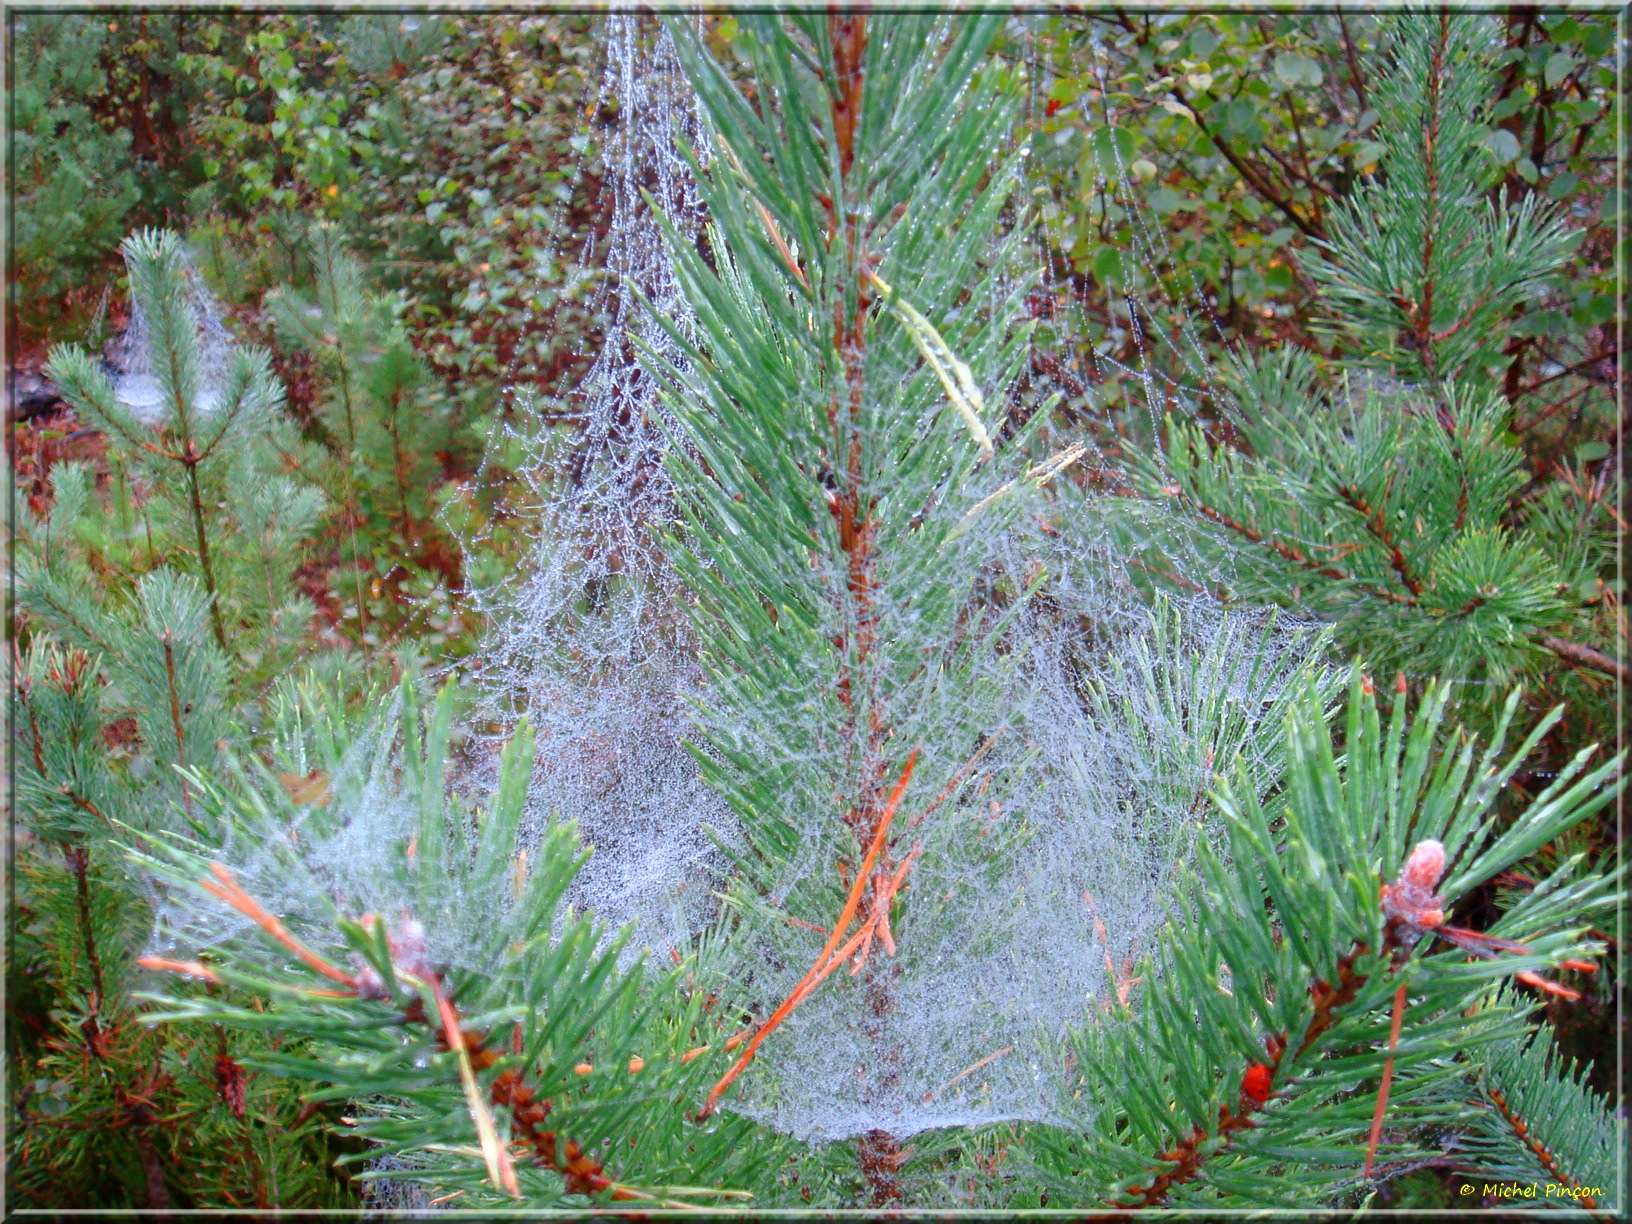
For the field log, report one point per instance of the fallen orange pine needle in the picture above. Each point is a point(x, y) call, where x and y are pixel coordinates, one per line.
point(831, 955)
point(228, 890)
point(185, 968)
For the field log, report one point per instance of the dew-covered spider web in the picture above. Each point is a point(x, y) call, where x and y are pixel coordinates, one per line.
point(1044, 878)
point(589, 642)
point(136, 384)
point(1122, 712)
point(1120, 715)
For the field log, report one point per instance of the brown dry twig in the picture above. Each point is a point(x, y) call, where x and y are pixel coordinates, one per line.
point(580, 1171)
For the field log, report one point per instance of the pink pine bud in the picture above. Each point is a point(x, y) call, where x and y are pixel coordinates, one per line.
point(370, 985)
point(1411, 900)
point(1424, 865)
point(408, 950)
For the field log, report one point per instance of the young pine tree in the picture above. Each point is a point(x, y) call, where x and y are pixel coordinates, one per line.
point(76, 181)
point(386, 431)
point(1382, 490)
point(195, 446)
point(841, 496)
point(110, 1113)
point(131, 608)
point(386, 428)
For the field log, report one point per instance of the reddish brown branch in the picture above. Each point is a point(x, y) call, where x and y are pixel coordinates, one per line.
point(79, 865)
point(582, 1173)
point(1186, 1157)
point(1388, 1078)
point(1538, 1148)
point(1423, 322)
point(1329, 999)
point(84, 804)
point(1377, 524)
point(832, 955)
point(228, 890)
point(1586, 656)
point(1288, 552)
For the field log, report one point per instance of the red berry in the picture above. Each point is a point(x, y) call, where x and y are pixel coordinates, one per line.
point(1256, 1083)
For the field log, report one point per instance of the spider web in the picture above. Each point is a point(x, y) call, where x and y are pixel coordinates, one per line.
point(136, 385)
point(1095, 793)
point(590, 641)
point(1040, 882)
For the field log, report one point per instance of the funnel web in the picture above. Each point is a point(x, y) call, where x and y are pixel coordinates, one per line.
point(587, 640)
point(137, 386)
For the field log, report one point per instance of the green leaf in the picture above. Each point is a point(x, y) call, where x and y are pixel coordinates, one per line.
point(1591, 452)
point(1504, 145)
point(1116, 149)
point(1294, 69)
point(1164, 200)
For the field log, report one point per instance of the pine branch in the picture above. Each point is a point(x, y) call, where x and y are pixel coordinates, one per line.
point(1287, 551)
point(1329, 1003)
point(175, 717)
point(833, 954)
point(1174, 1071)
point(372, 1007)
point(78, 866)
point(1541, 1122)
point(1522, 1132)
point(196, 505)
point(1586, 656)
point(1423, 310)
point(1377, 525)
point(580, 1171)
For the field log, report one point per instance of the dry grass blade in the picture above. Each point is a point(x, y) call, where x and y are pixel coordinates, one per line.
point(500, 1170)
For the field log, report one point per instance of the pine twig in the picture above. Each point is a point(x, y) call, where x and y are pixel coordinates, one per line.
point(1539, 1149)
point(581, 1172)
point(79, 865)
point(500, 1170)
point(1286, 551)
point(1388, 1079)
point(1586, 656)
point(175, 718)
point(1257, 1087)
point(1186, 1156)
point(1377, 524)
point(196, 505)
